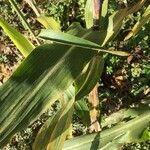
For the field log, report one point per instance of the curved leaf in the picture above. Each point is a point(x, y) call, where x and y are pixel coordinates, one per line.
point(116, 19)
point(54, 132)
point(114, 137)
point(24, 45)
point(88, 80)
point(40, 80)
point(82, 111)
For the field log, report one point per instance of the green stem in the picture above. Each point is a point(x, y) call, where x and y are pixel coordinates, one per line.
point(23, 20)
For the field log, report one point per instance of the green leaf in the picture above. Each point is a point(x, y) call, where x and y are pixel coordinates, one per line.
point(82, 111)
point(31, 89)
point(142, 21)
point(114, 137)
point(49, 23)
point(90, 77)
point(116, 20)
point(104, 15)
point(24, 45)
point(66, 38)
point(77, 30)
point(23, 19)
point(146, 135)
point(89, 14)
point(121, 115)
point(116, 143)
point(114, 118)
point(69, 39)
point(40, 80)
point(54, 132)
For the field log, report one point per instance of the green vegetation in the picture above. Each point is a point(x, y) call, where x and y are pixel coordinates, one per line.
point(81, 74)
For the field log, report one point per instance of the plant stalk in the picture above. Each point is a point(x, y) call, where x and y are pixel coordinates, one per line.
point(96, 13)
point(93, 95)
point(94, 110)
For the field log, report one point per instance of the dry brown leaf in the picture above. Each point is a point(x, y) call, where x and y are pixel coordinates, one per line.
point(94, 110)
point(147, 91)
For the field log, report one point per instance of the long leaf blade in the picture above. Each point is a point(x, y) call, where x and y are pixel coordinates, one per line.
point(90, 78)
point(116, 20)
point(24, 45)
point(68, 39)
point(89, 14)
point(54, 132)
point(82, 111)
point(31, 89)
point(143, 20)
point(104, 15)
point(114, 137)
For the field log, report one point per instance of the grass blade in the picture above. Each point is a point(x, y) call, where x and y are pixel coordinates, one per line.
point(23, 44)
point(54, 132)
point(69, 39)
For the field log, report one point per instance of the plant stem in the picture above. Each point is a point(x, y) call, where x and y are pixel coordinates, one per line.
point(93, 95)
point(94, 110)
point(96, 13)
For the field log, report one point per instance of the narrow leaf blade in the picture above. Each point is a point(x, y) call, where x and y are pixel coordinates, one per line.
point(82, 111)
point(24, 45)
point(89, 14)
point(143, 20)
point(114, 137)
point(68, 39)
point(90, 78)
point(104, 15)
point(54, 132)
point(31, 89)
point(116, 20)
